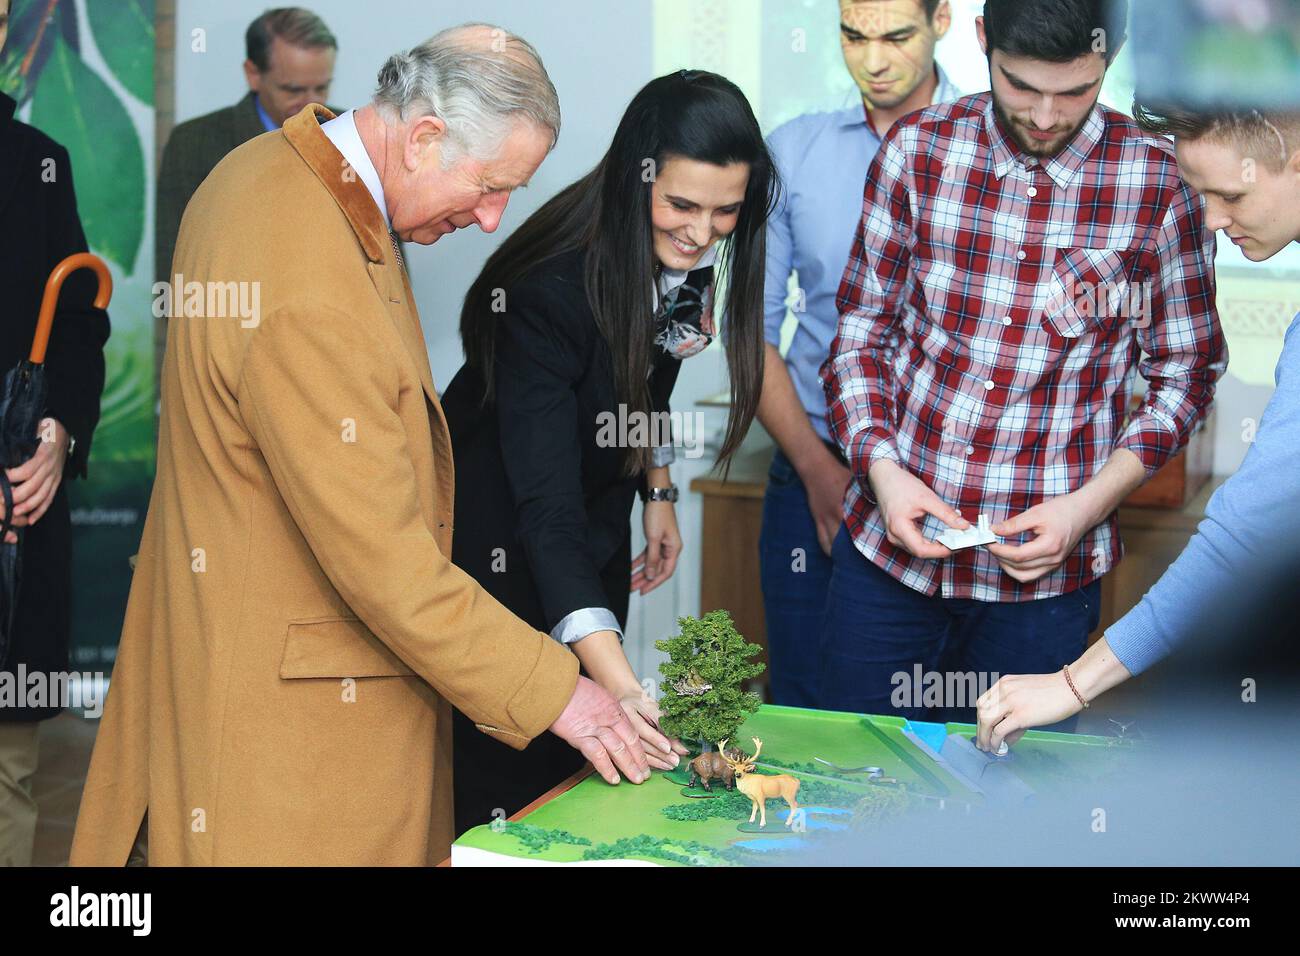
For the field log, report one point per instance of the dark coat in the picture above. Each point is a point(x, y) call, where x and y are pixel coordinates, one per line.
point(533, 481)
point(192, 151)
point(41, 228)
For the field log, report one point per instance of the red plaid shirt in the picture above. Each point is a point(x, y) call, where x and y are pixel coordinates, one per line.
point(993, 315)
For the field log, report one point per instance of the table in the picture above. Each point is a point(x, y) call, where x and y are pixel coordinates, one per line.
point(661, 823)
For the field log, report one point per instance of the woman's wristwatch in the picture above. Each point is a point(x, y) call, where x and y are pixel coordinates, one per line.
point(670, 493)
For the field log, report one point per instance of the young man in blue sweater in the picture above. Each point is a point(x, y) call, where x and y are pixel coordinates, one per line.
point(1247, 166)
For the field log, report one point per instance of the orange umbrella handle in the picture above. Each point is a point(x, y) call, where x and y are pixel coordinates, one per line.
point(81, 260)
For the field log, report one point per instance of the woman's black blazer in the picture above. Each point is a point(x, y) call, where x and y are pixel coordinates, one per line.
point(542, 516)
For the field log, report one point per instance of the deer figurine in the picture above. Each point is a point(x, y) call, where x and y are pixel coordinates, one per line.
point(760, 787)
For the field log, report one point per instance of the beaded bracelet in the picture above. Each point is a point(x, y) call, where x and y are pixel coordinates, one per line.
point(1069, 680)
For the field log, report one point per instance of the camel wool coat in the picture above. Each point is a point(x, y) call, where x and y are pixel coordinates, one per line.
point(296, 633)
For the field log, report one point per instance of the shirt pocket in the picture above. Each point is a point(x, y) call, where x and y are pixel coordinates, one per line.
point(1088, 291)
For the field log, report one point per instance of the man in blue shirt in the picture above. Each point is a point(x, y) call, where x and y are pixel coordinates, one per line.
point(1247, 166)
point(823, 159)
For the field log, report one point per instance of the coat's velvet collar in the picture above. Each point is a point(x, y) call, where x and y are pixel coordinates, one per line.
point(304, 134)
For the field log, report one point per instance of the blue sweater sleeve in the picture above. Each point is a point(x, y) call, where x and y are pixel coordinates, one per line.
point(1250, 519)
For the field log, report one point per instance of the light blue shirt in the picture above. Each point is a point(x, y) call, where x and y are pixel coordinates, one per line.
point(1252, 521)
point(263, 115)
point(823, 159)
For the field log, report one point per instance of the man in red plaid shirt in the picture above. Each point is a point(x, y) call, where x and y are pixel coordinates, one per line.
point(1022, 254)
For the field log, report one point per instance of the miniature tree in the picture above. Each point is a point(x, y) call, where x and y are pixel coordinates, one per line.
point(708, 663)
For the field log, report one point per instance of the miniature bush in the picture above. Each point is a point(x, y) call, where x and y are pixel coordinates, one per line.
point(537, 839)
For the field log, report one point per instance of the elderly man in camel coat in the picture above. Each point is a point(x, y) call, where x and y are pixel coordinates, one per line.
point(296, 633)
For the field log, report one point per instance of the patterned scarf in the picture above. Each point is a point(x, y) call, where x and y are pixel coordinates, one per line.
point(684, 308)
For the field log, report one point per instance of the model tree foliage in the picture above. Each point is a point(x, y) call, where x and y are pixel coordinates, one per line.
point(708, 663)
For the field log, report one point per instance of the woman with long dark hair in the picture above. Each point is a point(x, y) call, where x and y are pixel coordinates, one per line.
point(574, 333)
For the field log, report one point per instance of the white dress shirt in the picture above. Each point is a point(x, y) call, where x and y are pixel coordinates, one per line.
point(342, 132)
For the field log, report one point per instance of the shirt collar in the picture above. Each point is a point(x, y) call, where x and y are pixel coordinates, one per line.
point(342, 132)
point(263, 115)
point(945, 92)
point(1062, 167)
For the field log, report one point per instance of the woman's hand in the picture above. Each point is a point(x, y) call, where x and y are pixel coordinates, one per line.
point(1017, 703)
point(1020, 702)
point(658, 561)
point(602, 657)
point(661, 752)
point(36, 480)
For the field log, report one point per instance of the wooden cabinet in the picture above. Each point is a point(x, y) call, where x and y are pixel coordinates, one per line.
point(729, 573)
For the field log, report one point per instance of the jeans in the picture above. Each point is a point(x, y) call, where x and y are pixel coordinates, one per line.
point(880, 636)
point(795, 575)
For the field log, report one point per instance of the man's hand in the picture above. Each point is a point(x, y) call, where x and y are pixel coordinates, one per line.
point(36, 480)
point(823, 477)
point(826, 482)
point(903, 498)
point(595, 725)
point(1057, 524)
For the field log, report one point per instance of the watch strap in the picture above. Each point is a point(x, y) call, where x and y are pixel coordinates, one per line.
point(670, 494)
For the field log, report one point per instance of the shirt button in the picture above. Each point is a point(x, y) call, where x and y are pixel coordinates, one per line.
point(988, 386)
point(1033, 191)
point(970, 450)
point(1021, 255)
point(1006, 320)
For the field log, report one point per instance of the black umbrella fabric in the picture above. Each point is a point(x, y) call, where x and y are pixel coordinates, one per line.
point(22, 406)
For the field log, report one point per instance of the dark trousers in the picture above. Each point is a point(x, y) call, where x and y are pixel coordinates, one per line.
point(878, 630)
point(795, 574)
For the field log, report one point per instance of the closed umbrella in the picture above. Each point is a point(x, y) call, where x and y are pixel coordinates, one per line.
point(22, 406)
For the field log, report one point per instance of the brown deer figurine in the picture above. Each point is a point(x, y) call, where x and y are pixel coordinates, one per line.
point(760, 787)
point(713, 766)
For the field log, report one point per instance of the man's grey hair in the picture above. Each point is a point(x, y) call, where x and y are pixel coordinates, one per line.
point(479, 79)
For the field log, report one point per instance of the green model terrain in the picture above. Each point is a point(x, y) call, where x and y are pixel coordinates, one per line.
point(658, 823)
